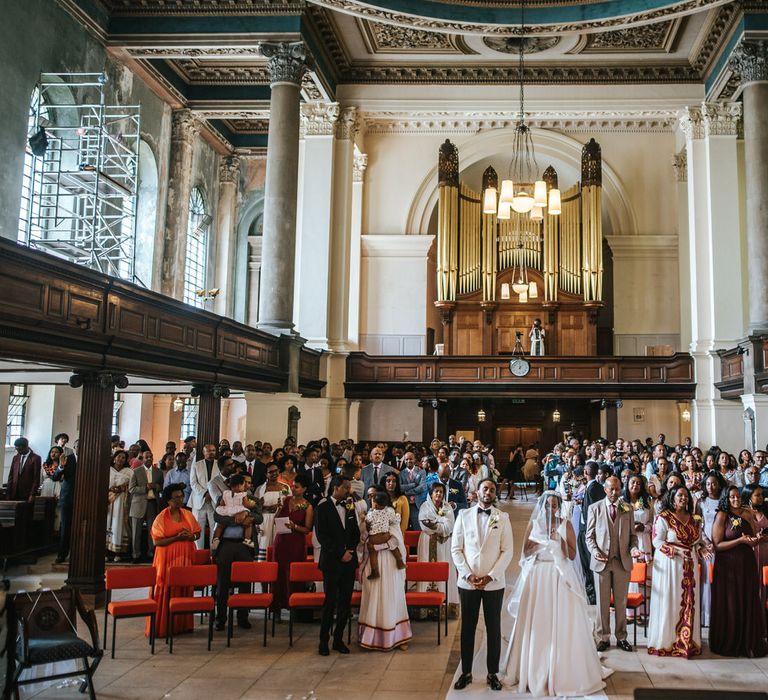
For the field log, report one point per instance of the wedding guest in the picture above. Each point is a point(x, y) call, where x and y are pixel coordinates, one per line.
point(145, 486)
point(714, 483)
point(49, 488)
point(656, 480)
point(437, 521)
point(482, 549)
point(391, 484)
point(288, 470)
point(727, 466)
point(738, 619)
point(753, 497)
point(455, 495)
point(692, 475)
point(174, 532)
point(272, 494)
point(594, 492)
point(674, 628)
point(612, 542)
point(118, 526)
point(66, 475)
point(373, 472)
point(636, 497)
point(24, 477)
point(296, 514)
point(338, 532)
point(179, 475)
point(745, 459)
point(673, 480)
point(413, 484)
point(200, 476)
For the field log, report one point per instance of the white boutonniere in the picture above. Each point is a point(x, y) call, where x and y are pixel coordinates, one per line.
point(493, 519)
point(453, 491)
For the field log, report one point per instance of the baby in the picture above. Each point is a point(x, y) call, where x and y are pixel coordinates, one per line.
point(235, 503)
point(378, 520)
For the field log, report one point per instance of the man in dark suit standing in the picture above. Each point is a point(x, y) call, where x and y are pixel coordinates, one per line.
point(594, 492)
point(66, 473)
point(339, 534)
point(311, 467)
point(24, 479)
point(455, 494)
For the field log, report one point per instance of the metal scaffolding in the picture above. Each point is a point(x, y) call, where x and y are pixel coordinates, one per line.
point(84, 178)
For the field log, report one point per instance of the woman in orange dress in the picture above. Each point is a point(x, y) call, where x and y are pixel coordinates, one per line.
point(174, 533)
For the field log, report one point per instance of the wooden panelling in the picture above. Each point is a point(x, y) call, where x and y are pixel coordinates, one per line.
point(468, 330)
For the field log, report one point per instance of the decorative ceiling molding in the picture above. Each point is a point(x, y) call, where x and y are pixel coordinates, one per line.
point(252, 52)
point(134, 8)
point(233, 114)
point(390, 38)
point(511, 44)
point(713, 36)
point(195, 72)
point(248, 126)
point(351, 7)
point(648, 38)
point(657, 120)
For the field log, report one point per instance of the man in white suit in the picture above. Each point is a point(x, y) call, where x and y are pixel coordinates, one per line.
point(482, 549)
point(612, 542)
point(199, 478)
point(371, 474)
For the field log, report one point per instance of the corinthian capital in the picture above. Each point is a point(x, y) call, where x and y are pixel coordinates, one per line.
point(749, 61)
point(348, 123)
point(691, 123)
point(287, 61)
point(721, 118)
point(229, 169)
point(359, 166)
point(319, 118)
point(184, 126)
point(680, 164)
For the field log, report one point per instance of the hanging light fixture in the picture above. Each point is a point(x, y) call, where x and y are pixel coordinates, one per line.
point(686, 415)
point(481, 416)
point(533, 290)
point(556, 416)
point(505, 290)
point(178, 404)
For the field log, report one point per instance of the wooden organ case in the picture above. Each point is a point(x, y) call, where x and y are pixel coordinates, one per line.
point(480, 256)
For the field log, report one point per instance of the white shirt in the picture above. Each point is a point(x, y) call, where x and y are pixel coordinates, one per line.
point(150, 490)
point(23, 461)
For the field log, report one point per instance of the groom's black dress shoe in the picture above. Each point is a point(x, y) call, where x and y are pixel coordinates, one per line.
point(602, 646)
point(323, 649)
point(341, 647)
point(464, 680)
point(624, 645)
point(493, 682)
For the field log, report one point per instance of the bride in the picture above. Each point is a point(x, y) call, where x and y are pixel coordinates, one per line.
point(551, 650)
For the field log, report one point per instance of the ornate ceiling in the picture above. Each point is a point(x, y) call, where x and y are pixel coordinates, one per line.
point(204, 54)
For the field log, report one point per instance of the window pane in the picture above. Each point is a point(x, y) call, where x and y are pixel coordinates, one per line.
point(17, 413)
point(189, 418)
point(197, 249)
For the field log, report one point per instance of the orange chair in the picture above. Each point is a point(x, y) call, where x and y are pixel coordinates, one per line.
point(637, 600)
point(131, 577)
point(411, 538)
point(765, 577)
point(428, 571)
point(201, 556)
point(303, 572)
point(203, 576)
point(252, 572)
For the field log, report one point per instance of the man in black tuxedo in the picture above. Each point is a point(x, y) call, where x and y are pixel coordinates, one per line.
point(455, 495)
point(311, 468)
point(595, 492)
point(339, 534)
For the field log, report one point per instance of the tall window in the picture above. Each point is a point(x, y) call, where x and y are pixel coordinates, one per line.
point(17, 413)
point(33, 172)
point(197, 249)
point(189, 417)
point(117, 404)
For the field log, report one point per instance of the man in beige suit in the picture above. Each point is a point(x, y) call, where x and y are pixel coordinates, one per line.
point(612, 542)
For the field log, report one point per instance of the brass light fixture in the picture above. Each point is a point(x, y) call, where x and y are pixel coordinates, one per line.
point(556, 416)
point(481, 416)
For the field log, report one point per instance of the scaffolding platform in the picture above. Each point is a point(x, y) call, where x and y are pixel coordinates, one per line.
point(83, 188)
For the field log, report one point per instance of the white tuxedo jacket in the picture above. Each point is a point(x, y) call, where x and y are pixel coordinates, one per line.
point(198, 482)
point(482, 556)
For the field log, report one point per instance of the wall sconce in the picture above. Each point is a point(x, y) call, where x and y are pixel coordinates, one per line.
point(481, 416)
point(178, 404)
point(686, 415)
point(505, 290)
point(556, 416)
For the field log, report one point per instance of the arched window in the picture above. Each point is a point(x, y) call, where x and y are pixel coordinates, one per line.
point(197, 249)
point(29, 214)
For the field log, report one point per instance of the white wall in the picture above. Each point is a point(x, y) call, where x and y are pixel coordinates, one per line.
point(659, 417)
point(390, 419)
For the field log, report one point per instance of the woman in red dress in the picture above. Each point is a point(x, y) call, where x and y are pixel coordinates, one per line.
point(291, 546)
point(174, 533)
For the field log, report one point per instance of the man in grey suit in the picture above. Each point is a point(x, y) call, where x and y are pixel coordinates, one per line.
point(371, 474)
point(612, 542)
point(413, 484)
point(145, 487)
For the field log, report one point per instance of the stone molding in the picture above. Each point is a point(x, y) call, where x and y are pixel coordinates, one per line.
point(286, 61)
point(749, 61)
point(680, 164)
point(691, 123)
point(358, 167)
point(229, 169)
point(319, 118)
point(348, 124)
point(721, 118)
point(185, 126)
point(645, 246)
point(396, 245)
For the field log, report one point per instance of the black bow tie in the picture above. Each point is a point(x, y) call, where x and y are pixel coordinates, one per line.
point(483, 510)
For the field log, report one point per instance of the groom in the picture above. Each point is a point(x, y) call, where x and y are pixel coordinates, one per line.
point(612, 542)
point(481, 547)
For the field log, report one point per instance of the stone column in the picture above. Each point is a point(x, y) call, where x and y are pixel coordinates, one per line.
point(209, 412)
point(286, 67)
point(89, 514)
point(254, 278)
point(355, 249)
point(750, 62)
point(680, 165)
point(184, 129)
point(229, 180)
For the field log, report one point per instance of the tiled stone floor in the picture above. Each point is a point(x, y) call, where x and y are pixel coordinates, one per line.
point(423, 672)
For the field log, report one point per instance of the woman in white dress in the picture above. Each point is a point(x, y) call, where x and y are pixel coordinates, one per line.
point(118, 529)
point(637, 497)
point(551, 650)
point(271, 492)
point(714, 483)
point(437, 520)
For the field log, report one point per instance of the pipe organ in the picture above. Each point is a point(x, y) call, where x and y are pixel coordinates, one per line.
point(480, 256)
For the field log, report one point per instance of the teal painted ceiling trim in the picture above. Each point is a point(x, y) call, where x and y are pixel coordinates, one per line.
point(325, 69)
point(575, 12)
point(237, 140)
point(259, 24)
point(170, 75)
point(748, 23)
point(97, 13)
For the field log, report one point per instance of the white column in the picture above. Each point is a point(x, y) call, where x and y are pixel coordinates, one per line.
point(226, 216)
point(680, 164)
point(355, 256)
point(714, 240)
point(318, 123)
point(254, 278)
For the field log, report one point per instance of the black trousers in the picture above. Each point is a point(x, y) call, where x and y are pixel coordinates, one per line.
point(470, 612)
point(65, 528)
point(585, 557)
point(338, 583)
point(229, 551)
